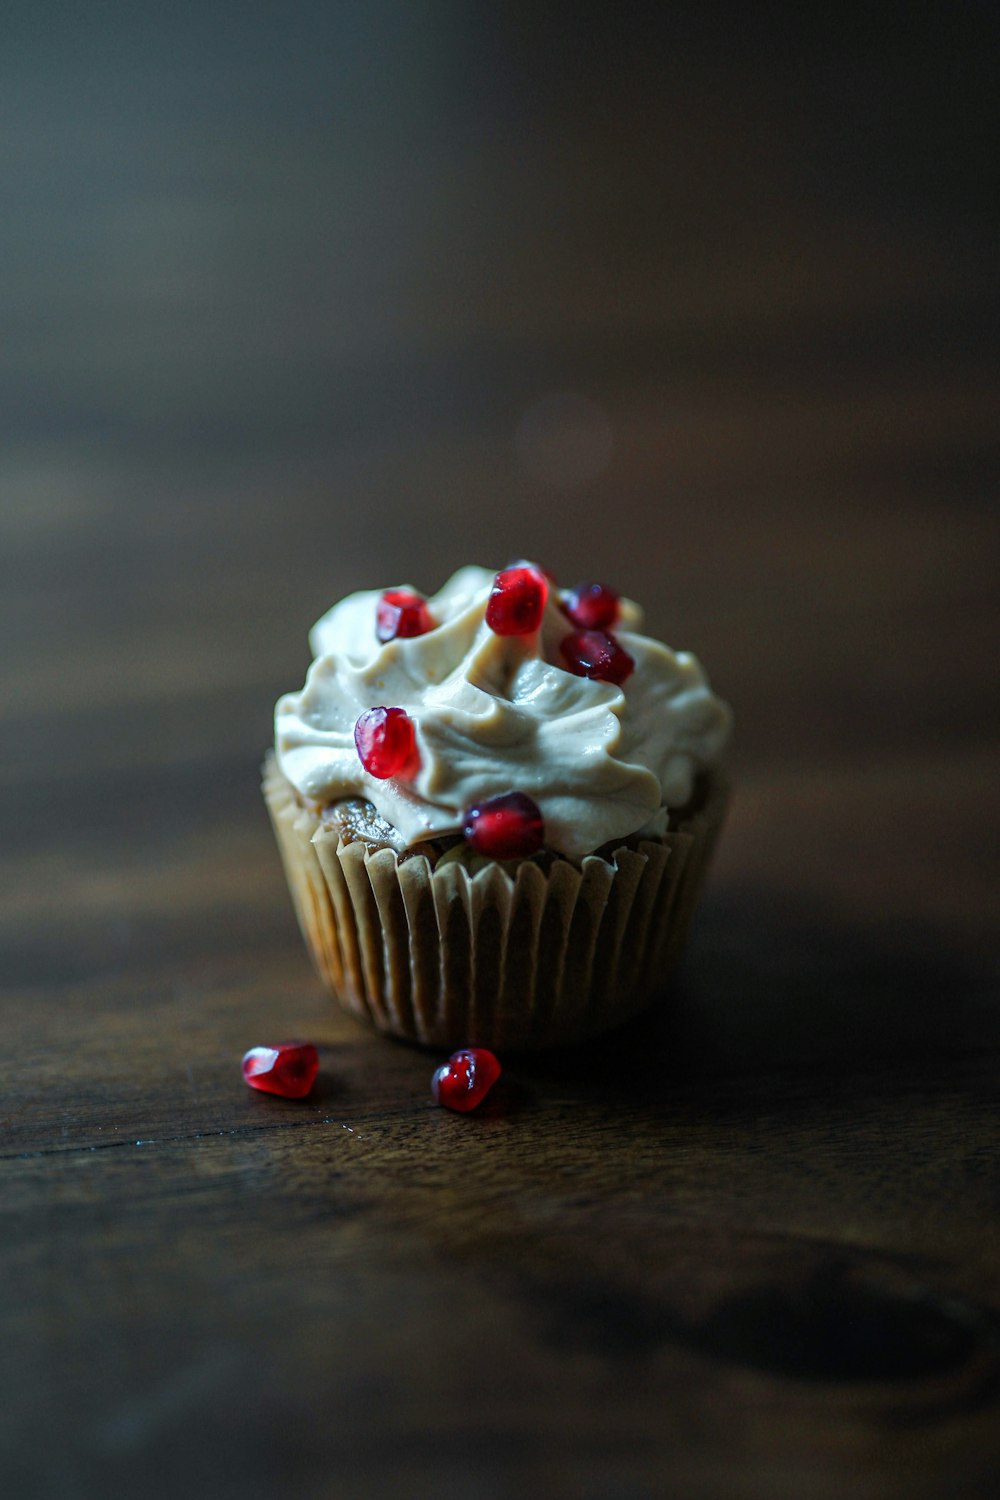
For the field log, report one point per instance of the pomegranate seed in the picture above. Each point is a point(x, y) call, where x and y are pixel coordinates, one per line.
point(592, 606)
point(517, 601)
point(288, 1069)
point(592, 653)
point(547, 574)
point(505, 827)
point(386, 743)
point(401, 613)
point(465, 1079)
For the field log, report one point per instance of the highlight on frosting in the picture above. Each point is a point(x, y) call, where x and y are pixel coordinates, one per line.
point(494, 713)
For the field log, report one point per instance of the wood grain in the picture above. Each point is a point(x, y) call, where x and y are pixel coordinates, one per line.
point(751, 1245)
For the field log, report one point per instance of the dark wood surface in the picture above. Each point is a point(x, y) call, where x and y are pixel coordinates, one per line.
point(301, 307)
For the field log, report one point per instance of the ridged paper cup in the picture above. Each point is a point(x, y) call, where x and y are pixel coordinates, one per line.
point(529, 959)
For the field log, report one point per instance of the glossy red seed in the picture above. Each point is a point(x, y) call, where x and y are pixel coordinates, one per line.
point(547, 574)
point(517, 601)
point(401, 613)
point(592, 653)
point(288, 1069)
point(465, 1079)
point(506, 827)
point(386, 742)
point(592, 606)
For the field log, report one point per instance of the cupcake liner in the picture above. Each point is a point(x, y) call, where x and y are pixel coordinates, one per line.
point(529, 959)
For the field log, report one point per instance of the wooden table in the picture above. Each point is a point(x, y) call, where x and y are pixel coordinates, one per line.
point(751, 1246)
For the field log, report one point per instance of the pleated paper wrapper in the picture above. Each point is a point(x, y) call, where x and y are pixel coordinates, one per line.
point(537, 958)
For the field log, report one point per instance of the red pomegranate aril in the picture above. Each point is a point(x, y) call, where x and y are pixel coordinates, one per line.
point(401, 614)
point(506, 827)
point(288, 1069)
point(517, 601)
point(592, 606)
point(547, 574)
point(593, 653)
point(386, 742)
point(465, 1079)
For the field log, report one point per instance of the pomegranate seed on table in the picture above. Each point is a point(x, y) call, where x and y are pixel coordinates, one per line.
point(506, 827)
point(517, 601)
point(386, 742)
point(465, 1079)
point(593, 653)
point(402, 614)
point(288, 1069)
point(592, 606)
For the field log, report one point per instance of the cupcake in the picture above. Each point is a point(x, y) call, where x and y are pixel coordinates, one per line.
point(495, 807)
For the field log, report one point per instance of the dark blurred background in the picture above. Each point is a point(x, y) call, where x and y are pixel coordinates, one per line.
point(306, 297)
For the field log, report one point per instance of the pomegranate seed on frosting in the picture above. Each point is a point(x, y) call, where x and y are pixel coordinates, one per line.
point(401, 614)
point(592, 653)
point(506, 827)
point(547, 573)
point(517, 601)
point(592, 606)
point(386, 743)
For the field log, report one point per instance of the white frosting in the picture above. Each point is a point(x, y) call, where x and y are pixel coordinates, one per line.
point(496, 714)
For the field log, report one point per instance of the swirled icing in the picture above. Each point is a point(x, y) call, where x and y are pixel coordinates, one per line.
point(495, 714)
